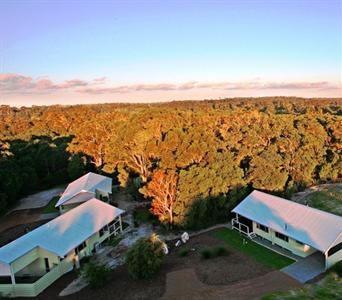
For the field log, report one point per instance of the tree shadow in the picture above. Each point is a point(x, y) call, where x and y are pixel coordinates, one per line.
point(208, 211)
point(29, 166)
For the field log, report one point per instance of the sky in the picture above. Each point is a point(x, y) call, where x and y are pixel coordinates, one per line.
point(69, 52)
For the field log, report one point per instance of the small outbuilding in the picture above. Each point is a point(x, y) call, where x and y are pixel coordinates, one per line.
point(298, 228)
point(90, 185)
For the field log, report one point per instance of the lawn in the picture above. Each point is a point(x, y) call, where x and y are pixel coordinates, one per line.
point(50, 208)
point(328, 288)
point(328, 199)
point(261, 254)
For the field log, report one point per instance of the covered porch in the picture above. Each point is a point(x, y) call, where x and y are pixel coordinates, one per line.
point(22, 284)
point(243, 225)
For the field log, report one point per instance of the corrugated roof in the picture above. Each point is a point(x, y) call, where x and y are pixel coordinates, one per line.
point(311, 226)
point(87, 183)
point(65, 232)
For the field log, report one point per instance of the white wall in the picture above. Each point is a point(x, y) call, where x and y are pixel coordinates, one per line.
point(291, 245)
point(333, 259)
point(37, 267)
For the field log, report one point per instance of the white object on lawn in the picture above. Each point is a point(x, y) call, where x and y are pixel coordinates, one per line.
point(165, 249)
point(178, 243)
point(185, 237)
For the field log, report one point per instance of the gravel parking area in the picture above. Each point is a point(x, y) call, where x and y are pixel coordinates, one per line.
point(38, 200)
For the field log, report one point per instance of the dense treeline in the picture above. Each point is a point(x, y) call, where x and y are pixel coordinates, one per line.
point(210, 153)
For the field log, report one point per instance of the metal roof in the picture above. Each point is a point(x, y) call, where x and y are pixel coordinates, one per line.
point(314, 227)
point(65, 232)
point(87, 183)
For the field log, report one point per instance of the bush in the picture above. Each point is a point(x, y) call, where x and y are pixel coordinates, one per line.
point(219, 251)
point(337, 268)
point(96, 275)
point(183, 252)
point(143, 215)
point(145, 257)
point(206, 253)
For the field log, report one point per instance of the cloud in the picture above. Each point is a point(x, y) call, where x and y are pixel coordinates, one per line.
point(13, 82)
point(20, 84)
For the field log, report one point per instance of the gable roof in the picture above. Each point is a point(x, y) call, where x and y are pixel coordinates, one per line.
point(65, 232)
point(314, 227)
point(87, 183)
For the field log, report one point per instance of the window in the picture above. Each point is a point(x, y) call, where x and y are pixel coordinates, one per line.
point(282, 236)
point(335, 249)
point(262, 227)
point(80, 247)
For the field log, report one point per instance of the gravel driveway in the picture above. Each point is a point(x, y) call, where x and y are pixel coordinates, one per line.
point(38, 200)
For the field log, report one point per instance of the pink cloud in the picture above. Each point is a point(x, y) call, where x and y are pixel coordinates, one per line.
point(20, 84)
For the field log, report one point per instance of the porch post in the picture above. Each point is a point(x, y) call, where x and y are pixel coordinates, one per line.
point(120, 224)
point(325, 260)
point(12, 276)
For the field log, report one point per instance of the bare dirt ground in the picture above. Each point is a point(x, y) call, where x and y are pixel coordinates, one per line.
point(23, 217)
point(184, 284)
point(38, 200)
point(221, 277)
point(19, 217)
point(15, 232)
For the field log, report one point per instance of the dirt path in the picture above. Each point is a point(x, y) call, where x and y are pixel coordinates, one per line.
point(184, 284)
point(38, 200)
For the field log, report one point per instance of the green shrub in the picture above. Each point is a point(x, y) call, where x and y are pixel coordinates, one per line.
point(183, 252)
point(337, 268)
point(143, 215)
point(206, 253)
point(96, 275)
point(219, 250)
point(145, 257)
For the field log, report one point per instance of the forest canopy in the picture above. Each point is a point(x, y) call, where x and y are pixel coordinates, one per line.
point(217, 149)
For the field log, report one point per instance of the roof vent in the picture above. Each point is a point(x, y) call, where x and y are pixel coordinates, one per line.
point(285, 226)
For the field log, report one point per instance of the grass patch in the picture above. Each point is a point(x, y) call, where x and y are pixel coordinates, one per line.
point(50, 208)
point(329, 288)
point(328, 199)
point(260, 253)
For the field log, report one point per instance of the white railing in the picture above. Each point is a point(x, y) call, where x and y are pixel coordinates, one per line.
point(33, 289)
point(242, 228)
point(115, 228)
